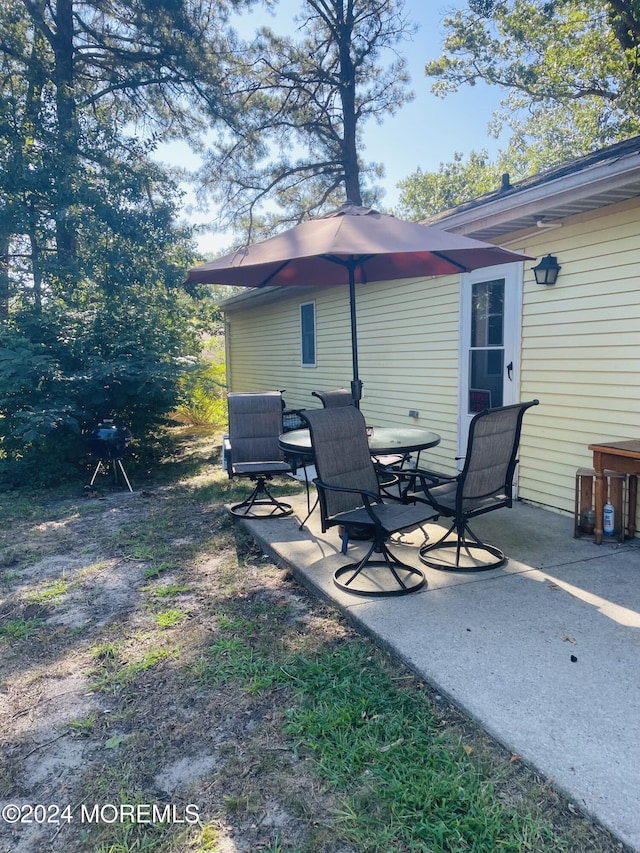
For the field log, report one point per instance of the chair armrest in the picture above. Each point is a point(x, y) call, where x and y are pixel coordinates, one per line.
point(433, 478)
point(370, 497)
point(419, 479)
point(226, 450)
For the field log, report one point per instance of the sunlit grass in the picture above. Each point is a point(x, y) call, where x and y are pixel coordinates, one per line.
point(169, 618)
point(403, 782)
point(49, 591)
point(170, 590)
point(301, 712)
point(20, 629)
point(113, 673)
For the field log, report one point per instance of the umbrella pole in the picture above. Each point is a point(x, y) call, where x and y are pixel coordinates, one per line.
point(356, 384)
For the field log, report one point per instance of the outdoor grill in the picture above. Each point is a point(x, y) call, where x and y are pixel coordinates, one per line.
point(108, 441)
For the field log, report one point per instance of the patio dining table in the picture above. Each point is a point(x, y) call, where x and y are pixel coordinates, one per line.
point(383, 441)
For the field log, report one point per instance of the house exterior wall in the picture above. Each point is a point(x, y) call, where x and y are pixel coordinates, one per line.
point(407, 345)
point(580, 351)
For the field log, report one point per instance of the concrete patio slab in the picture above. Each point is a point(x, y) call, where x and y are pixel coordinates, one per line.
point(543, 652)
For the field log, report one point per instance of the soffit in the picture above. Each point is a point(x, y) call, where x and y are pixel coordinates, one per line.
point(590, 183)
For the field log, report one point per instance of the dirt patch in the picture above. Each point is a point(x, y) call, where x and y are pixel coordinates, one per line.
point(108, 606)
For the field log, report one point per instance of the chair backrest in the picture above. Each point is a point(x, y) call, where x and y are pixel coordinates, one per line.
point(255, 422)
point(341, 454)
point(333, 399)
point(494, 436)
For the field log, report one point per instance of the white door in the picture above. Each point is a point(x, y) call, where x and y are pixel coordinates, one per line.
point(490, 329)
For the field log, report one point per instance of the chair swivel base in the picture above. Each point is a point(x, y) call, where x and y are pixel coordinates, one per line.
point(407, 578)
point(466, 546)
point(251, 507)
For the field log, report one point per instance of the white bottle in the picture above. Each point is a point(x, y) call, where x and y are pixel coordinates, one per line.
point(608, 518)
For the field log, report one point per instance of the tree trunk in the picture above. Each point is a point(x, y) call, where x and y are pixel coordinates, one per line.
point(348, 98)
point(36, 270)
point(67, 132)
point(4, 277)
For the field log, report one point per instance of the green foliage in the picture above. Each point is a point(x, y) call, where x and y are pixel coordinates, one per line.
point(20, 629)
point(113, 674)
point(94, 320)
point(115, 344)
point(425, 193)
point(570, 70)
point(49, 591)
point(570, 73)
point(170, 618)
point(64, 370)
point(171, 590)
point(203, 387)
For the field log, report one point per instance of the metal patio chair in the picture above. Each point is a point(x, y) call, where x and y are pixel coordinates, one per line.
point(484, 484)
point(252, 450)
point(343, 397)
point(350, 497)
point(333, 399)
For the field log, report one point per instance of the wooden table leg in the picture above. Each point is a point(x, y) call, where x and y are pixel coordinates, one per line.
point(599, 497)
point(633, 497)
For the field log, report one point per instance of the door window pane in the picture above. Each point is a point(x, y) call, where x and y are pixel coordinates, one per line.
point(486, 373)
point(486, 356)
point(487, 314)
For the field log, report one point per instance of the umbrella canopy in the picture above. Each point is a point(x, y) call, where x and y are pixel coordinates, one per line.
point(351, 245)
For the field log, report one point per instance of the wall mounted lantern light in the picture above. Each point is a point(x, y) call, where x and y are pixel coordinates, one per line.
point(546, 272)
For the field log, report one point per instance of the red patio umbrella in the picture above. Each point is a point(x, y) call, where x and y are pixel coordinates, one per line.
point(351, 245)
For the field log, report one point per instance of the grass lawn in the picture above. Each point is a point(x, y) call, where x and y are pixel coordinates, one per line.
point(165, 687)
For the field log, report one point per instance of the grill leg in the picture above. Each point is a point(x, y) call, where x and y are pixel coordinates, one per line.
point(124, 474)
point(115, 463)
point(95, 473)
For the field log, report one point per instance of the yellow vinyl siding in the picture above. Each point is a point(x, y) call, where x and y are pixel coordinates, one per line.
point(265, 350)
point(580, 350)
point(407, 345)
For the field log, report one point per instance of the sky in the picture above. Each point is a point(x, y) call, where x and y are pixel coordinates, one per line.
point(423, 134)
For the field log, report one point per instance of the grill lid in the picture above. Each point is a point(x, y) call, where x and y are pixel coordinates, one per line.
point(108, 440)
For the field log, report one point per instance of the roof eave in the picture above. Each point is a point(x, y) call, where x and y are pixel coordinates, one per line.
point(263, 294)
point(518, 204)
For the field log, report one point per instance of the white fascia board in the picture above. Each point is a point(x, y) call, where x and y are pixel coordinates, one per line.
point(592, 180)
point(263, 294)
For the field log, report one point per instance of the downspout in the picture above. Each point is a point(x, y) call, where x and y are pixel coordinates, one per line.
point(227, 359)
